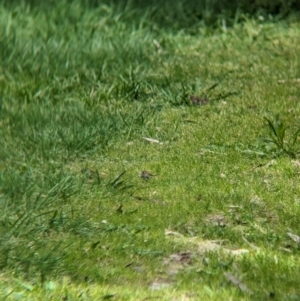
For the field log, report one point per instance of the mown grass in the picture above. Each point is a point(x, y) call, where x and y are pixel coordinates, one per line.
point(81, 89)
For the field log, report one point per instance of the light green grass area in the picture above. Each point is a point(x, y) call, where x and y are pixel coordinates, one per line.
point(91, 97)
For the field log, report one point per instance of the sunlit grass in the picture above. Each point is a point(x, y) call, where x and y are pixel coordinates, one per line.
point(81, 89)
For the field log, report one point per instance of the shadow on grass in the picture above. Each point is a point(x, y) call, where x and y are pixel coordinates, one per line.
point(182, 13)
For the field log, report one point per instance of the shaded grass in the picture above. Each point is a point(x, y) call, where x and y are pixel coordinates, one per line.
point(80, 88)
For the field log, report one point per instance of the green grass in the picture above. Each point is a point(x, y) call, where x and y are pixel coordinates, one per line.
point(81, 88)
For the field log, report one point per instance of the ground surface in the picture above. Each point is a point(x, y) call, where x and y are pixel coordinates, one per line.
point(91, 97)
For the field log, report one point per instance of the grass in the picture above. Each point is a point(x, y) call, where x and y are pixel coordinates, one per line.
point(81, 89)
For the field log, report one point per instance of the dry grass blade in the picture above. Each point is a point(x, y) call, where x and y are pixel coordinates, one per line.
point(294, 80)
point(151, 140)
point(294, 237)
point(243, 287)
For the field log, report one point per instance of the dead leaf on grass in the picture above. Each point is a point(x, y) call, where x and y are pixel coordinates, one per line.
point(234, 208)
point(209, 246)
point(216, 220)
point(151, 140)
point(250, 244)
point(238, 252)
point(160, 284)
point(257, 201)
point(183, 258)
point(135, 267)
point(294, 237)
point(201, 247)
point(285, 249)
point(173, 233)
point(294, 80)
point(176, 262)
point(158, 46)
point(173, 268)
point(199, 101)
point(243, 287)
point(296, 163)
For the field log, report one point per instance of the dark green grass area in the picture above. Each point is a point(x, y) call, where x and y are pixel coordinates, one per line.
point(82, 89)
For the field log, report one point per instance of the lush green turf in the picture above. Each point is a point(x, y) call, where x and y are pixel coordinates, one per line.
point(81, 89)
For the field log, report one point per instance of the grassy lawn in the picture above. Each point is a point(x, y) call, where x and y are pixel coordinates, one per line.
point(92, 96)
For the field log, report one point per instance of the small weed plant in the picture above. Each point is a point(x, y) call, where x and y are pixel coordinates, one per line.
point(280, 143)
